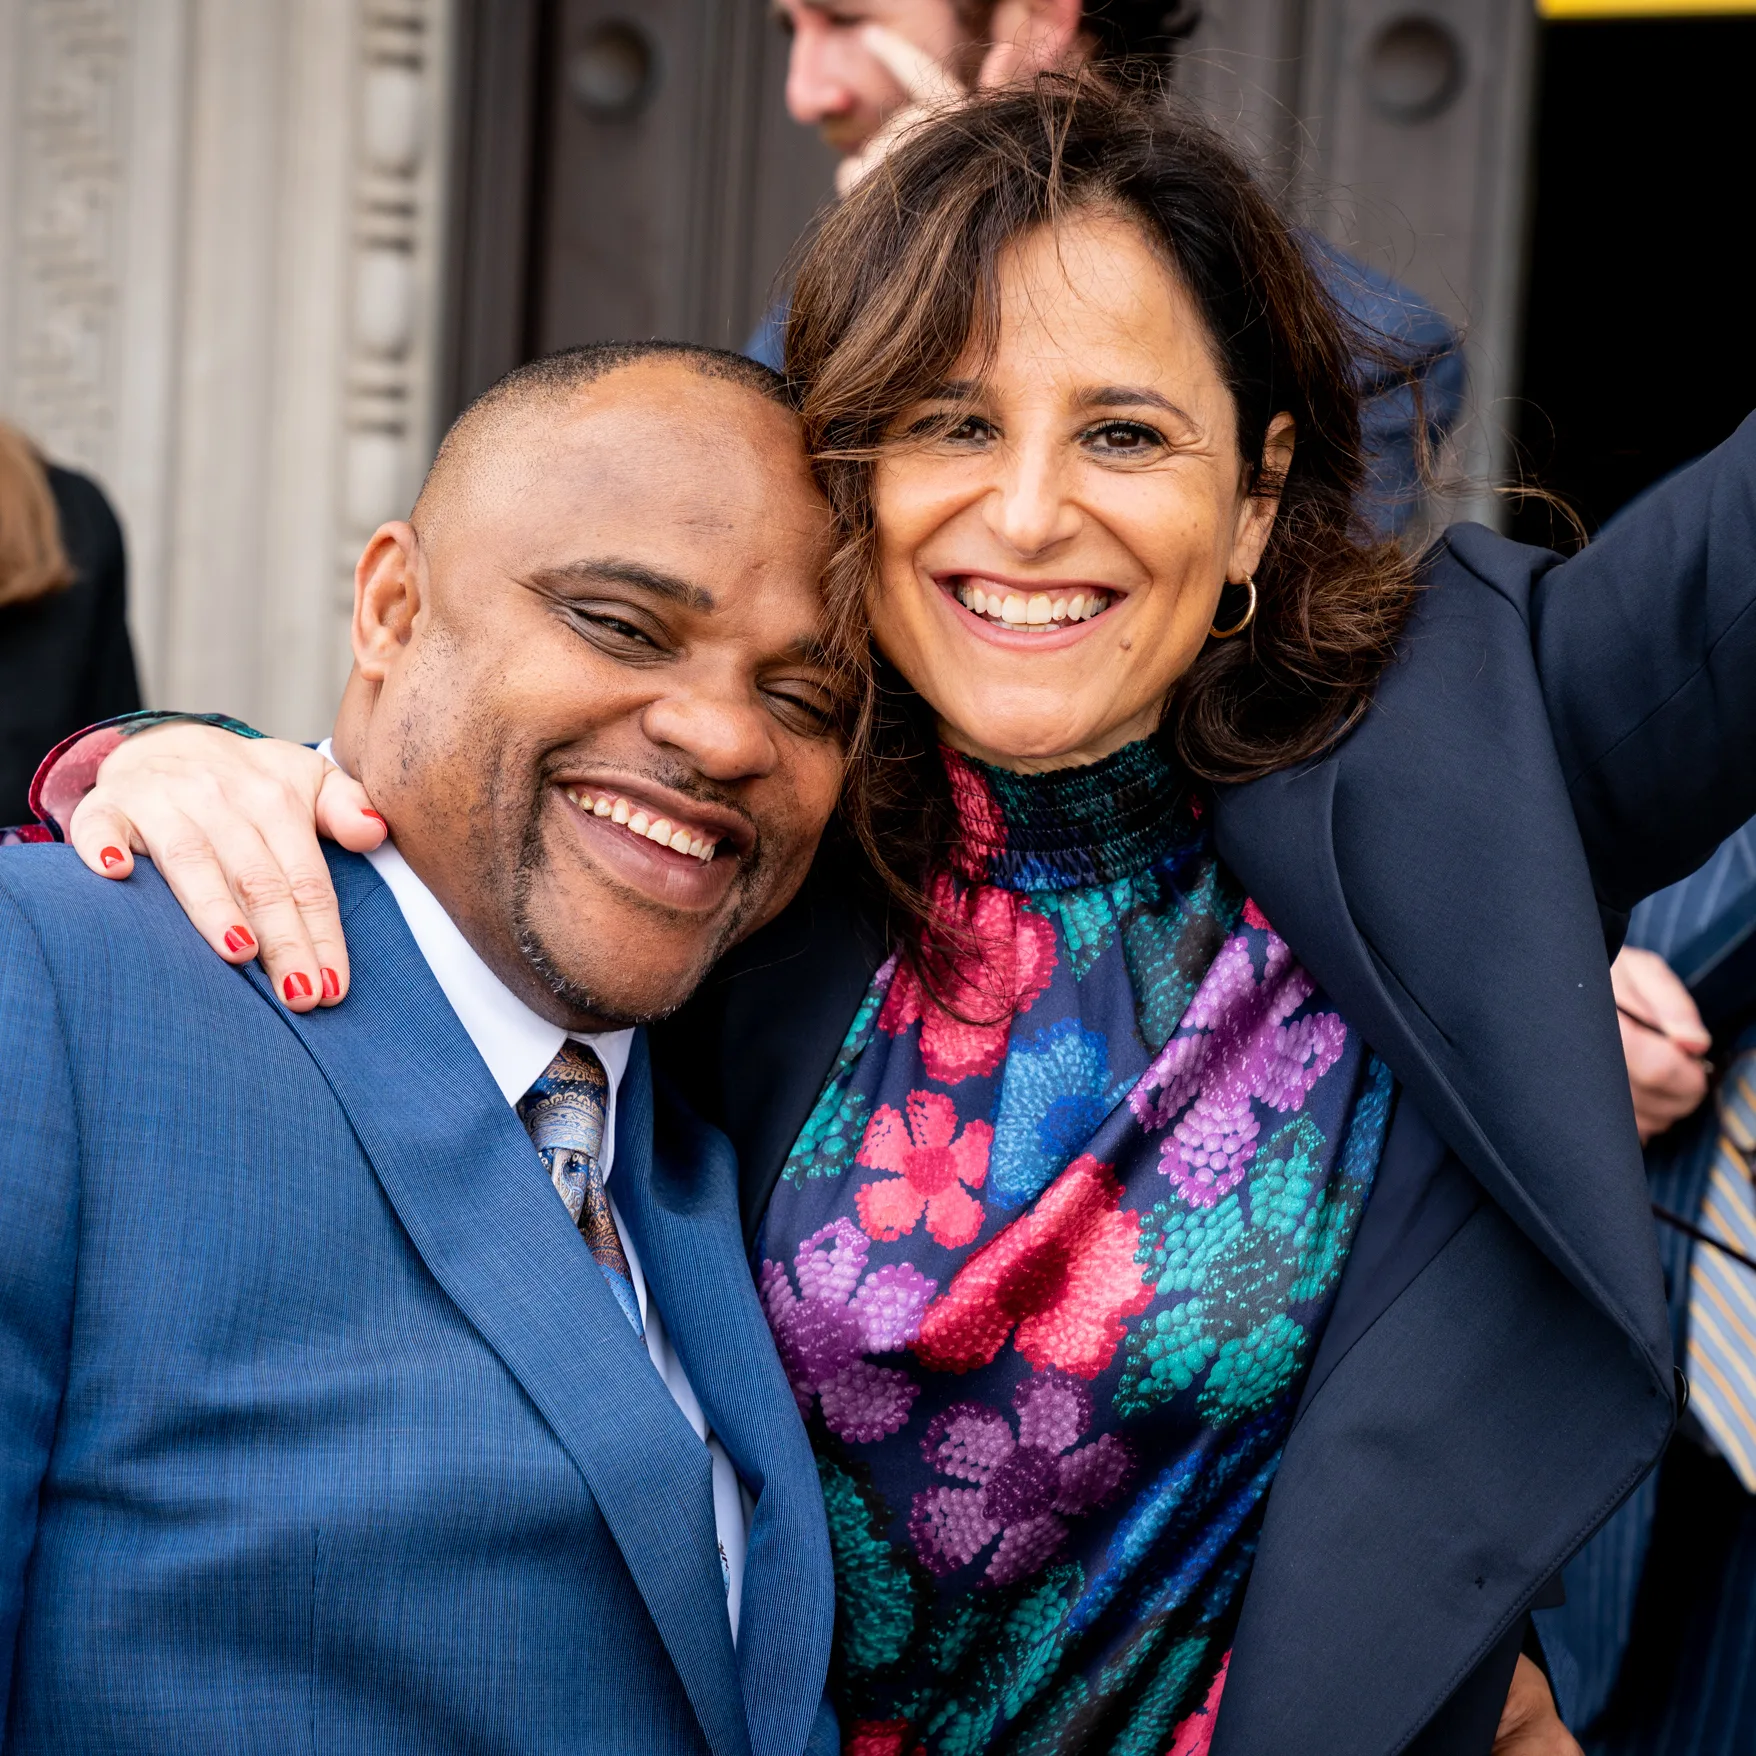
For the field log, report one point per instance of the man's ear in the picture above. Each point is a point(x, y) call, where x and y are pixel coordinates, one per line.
point(1029, 37)
point(390, 585)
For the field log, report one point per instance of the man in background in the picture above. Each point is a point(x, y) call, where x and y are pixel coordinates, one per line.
point(860, 71)
point(1653, 1650)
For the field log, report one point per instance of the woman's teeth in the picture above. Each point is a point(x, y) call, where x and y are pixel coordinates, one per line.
point(639, 821)
point(1037, 612)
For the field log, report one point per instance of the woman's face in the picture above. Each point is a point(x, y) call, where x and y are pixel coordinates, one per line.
point(1054, 531)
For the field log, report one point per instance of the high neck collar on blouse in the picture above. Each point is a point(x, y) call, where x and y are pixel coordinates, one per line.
point(1073, 826)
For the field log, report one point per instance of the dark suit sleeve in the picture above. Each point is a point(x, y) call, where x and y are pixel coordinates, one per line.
point(1646, 645)
point(39, 1161)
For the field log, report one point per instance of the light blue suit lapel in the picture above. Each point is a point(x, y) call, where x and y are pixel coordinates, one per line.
point(684, 1219)
point(470, 1191)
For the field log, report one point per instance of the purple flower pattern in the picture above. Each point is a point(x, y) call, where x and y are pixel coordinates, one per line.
point(835, 1318)
point(1028, 1484)
point(1234, 1047)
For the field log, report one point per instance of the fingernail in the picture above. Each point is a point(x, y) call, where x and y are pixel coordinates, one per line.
point(111, 856)
point(240, 939)
point(331, 985)
point(364, 812)
point(297, 986)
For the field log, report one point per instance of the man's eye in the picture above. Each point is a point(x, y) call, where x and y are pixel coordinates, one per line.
point(1127, 438)
point(615, 629)
point(814, 712)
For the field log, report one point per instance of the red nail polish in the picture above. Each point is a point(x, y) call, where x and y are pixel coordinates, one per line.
point(297, 986)
point(331, 985)
point(365, 812)
point(111, 856)
point(240, 939)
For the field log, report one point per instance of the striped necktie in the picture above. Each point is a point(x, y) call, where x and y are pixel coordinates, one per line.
point(564, 1112)
point(1722, 1290)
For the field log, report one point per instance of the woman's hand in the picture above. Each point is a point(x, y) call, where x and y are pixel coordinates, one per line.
point(1530, 1726)
point(232, 825)
point(1663, 1041)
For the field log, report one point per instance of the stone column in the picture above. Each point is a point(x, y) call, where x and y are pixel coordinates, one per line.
point(220, 262)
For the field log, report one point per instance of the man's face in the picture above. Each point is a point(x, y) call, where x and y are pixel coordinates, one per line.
point(834, 82)
point(617, 630)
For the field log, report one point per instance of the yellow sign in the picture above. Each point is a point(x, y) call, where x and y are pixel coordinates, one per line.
point(1641, 8)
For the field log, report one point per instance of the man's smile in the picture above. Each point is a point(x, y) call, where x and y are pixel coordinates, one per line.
point(680, 853)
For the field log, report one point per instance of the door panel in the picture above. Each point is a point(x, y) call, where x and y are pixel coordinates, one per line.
point(668, 213)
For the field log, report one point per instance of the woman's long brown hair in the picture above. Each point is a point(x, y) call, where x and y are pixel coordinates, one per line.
point(33, 561)
point(901, 284)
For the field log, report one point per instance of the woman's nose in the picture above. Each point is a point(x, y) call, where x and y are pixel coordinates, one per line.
point(1028, 509)
point(723, 737)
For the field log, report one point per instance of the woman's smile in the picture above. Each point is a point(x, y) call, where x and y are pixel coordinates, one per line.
point(1026, 613)
point(1029, 607)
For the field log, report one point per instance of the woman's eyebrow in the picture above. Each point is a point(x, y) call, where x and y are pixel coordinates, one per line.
point(952, 390)
point(1116, 396)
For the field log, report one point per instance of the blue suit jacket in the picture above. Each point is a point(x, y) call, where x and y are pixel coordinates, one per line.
point(318, 1426)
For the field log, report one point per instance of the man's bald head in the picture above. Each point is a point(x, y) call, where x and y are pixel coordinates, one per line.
point(590, 693)
point(535, 392)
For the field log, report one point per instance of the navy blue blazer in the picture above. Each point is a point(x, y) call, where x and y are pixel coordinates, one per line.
point(318, 1426)
point(1556, 740)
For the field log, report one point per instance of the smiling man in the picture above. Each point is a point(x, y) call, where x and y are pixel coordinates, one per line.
point(339, 1396)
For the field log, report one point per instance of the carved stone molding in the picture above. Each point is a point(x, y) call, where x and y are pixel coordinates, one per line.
point(397, 253)
point(220, 263)
point(68, 77)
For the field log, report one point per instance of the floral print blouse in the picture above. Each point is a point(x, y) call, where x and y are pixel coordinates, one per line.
point(1047, 1267)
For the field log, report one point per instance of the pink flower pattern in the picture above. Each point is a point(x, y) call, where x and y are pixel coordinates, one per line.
point(1238, 1049)
point(834, 1319)
point(1002, 972)
point(931, 1167)
point(1027, 1485)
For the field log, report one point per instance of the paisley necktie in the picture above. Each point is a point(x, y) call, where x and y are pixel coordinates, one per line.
point(564, 1112)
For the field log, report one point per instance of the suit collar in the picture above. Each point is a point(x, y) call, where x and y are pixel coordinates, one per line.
point(1279, 837)
point(467, 1186)
point(684, 1218)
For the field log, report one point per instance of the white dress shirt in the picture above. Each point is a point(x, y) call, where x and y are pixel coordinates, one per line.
point(517, 1044)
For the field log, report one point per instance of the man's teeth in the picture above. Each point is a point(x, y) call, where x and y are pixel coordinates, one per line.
point(643, 822)
point(1035, 610)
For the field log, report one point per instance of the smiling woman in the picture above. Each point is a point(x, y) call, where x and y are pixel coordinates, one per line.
point(1065, 387)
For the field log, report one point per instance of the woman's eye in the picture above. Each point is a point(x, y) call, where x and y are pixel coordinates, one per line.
point(1126, 438)
point(952, 428)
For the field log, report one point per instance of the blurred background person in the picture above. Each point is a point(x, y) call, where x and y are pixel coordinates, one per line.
point(861, 71)
point(65, 658)
point(1655, 1649)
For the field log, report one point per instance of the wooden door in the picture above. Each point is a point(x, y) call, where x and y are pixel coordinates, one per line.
point(625, 169)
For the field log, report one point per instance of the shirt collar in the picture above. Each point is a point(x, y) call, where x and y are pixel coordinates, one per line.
point(516, 1043)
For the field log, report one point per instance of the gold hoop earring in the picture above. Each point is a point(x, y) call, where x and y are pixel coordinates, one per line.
point(1245, 620)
